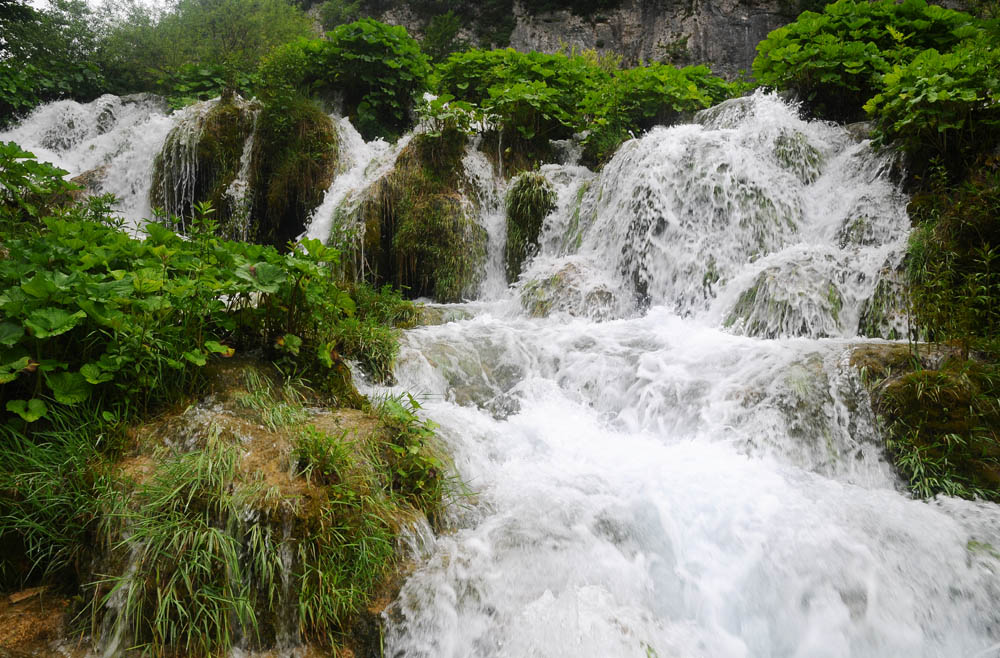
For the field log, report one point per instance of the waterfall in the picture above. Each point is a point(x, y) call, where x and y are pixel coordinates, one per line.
point(667, 450)
point(110, 143)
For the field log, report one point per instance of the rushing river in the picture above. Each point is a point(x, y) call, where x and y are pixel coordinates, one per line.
point(664, 448)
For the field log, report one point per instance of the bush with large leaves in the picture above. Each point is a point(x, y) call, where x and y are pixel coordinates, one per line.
point(834, 60)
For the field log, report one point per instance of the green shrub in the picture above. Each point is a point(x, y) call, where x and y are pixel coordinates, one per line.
point(29, 190)
point(942, 106)
point(636, 99)
point(834, 60)
point(376, 69)
point(92, 316)
point(529, 200)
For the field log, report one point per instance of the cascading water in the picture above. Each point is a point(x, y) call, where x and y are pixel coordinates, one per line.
point(676, 459)
point(112, 142)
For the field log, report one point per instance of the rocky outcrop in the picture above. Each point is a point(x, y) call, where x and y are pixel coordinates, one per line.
point(415, 225)
point(722, 34)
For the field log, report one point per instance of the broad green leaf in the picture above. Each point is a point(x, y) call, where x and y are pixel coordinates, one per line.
point(48, 322)
point(94, 374)
point(10, 333)
point(29, 410)
point(69, 387)
point(196, 358)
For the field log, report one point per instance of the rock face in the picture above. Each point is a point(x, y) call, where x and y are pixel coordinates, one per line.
point(723, 34)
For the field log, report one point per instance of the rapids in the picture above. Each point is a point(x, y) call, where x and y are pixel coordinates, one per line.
point(664, 450)
point(671, 456)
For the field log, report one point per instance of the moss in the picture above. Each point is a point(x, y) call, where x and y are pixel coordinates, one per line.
point(940, 416)
point(199, 160)
point(294, 162)
point(282, 528)
point(419, 233)
point(530, 199)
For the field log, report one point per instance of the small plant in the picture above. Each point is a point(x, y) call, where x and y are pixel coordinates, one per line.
point(29, 190)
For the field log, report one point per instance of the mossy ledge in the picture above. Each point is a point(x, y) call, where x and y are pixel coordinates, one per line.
point(415, 227)
point(939, 413)
point(256, 517)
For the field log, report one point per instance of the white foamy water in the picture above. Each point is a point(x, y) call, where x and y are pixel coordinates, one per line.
point(361, 164)
point(682, 473)
point(114, 139)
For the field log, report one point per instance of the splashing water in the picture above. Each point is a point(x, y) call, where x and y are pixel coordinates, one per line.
point(361, 164)
point(111, 140)
point(690, 470)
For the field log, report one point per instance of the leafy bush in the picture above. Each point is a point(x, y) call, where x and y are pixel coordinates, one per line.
point(529, 98)
point(199, 82)
point(637, 99)
point(91, 315)
point(28, 189)
point(834, 60)
point(944, 106)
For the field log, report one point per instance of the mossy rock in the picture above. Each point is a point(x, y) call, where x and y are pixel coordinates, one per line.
point(530, 199)
point(287, 512)
point(417, 224)
point(940, 417)
point(199, 161)
point(788, 300)
point(294, 161)
point(568, 290)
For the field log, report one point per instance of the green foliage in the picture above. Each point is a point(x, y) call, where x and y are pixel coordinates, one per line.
point(441, 36)
point(51, 486)
point(953, 261)
point(338, 12)
point(636, 99)
point(942, 429)
point(29, 189)
point(529, 200)
point(92, 316)
point(944, 106)
point(190, 589)
point(376, 69)
point(194, 82)
point(143, 51)
point(531, 98)
point(380, 70)
point(46, 54)
point(414, 458)
point(834, 60)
